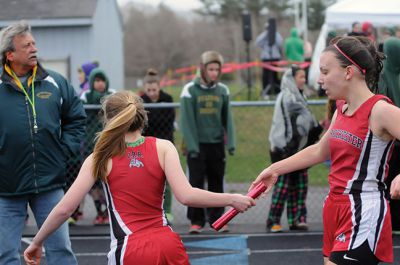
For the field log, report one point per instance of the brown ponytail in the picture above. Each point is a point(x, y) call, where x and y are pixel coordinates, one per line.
point(151, 76)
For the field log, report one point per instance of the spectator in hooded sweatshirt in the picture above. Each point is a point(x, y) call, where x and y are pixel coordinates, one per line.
point(294, 47)
point(83, 74)
point(98, 88)
point(389, 85)
point(291, 126)
point(75, 162)
point(206, 121)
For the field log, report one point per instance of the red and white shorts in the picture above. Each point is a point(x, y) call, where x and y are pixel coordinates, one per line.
point(155, 246)
point(352, 219)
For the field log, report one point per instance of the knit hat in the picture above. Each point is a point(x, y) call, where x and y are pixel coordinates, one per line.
point(207, 58)
point(212, 57)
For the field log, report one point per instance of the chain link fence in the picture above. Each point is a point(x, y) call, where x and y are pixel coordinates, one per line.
point(252, 124)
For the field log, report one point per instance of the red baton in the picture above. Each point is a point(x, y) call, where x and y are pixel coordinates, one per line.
point(224, 219)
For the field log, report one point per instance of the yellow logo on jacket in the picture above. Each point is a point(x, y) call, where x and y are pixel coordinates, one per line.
point(44, 95)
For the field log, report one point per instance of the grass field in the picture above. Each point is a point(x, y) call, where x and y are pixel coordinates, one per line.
point(252, 129)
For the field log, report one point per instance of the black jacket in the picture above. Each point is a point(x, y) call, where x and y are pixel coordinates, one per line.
point(161, 120)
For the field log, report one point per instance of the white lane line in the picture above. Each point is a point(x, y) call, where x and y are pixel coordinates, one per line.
point(27, 240)
point(260, 251)
point(254, 235)
point(93, 254)
point(203, 252)
point(249, 252)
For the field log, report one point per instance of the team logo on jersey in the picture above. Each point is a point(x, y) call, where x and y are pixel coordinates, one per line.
point(341, 238)
point(135, 163)
point(134, 159)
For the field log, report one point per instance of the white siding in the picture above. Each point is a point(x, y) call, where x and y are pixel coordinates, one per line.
point(61, 43)
point(101, 40)
point(108, 41)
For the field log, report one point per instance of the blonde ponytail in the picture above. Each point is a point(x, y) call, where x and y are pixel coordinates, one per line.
point(123, 112)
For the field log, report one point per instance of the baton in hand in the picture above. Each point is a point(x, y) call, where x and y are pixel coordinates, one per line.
point(224, 219)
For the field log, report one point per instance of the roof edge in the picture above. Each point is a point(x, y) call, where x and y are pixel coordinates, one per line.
point(64, 22)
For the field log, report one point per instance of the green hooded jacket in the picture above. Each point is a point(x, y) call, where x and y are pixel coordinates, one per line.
point(93, 97)
point(294, 47)
point(205, 115)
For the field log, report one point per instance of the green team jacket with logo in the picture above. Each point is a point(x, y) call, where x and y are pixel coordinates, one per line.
point(36, 162)
point(205, 115)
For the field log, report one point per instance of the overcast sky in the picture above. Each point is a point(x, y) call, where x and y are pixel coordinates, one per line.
point(178, 5)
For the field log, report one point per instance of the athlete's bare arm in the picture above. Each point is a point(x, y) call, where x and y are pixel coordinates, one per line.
point(384, 122)
point(307, 157)
point(62, 211)
point(185, 193)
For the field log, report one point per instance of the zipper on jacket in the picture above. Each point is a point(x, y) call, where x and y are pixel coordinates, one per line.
point(33, 145)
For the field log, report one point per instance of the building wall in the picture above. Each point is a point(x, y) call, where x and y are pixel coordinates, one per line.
point(108, 47)
point(69, 44)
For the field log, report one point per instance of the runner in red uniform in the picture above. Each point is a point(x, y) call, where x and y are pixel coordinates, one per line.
point(134, 170)
point(356, 216)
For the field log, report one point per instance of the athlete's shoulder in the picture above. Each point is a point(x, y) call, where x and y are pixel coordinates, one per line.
point(164, 144)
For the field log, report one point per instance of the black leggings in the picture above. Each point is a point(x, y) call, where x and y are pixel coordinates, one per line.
point(358, 256)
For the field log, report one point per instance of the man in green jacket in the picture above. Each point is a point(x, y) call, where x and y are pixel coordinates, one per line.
point(42, 122)
point(207, 125)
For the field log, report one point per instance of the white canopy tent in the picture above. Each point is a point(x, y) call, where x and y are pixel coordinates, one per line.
point(381, 13)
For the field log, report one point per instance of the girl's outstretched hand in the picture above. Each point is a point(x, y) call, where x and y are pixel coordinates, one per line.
point(241, 202)
point(33, 254)
point(268, 177)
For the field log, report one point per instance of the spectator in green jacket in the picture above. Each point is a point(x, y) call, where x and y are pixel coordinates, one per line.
point(206, 121)
point(42, 123)
point(294, 47)
point(98, 89)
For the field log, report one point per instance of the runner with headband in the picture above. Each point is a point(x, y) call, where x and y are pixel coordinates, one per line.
point(359, 141)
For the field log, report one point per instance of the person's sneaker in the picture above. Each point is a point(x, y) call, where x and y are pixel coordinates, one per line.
point(195, 229)
point(170, 218)
point(98, 220)
point(300, 226)
point(224, 229)
point(396, 232)
point(71, 221)
point(106, 220)
point(276, 228)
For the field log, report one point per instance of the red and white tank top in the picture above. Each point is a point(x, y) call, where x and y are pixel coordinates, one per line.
point(359, 158)
point(135, 190)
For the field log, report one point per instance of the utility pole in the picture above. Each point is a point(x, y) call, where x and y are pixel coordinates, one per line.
point(247, 36)
point(304, 19)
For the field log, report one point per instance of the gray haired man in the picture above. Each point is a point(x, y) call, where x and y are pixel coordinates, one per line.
point(42, 121)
